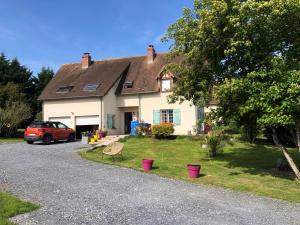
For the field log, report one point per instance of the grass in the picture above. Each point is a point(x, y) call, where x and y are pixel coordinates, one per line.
point(10, 140)
point(241, 167)
point(11, 206)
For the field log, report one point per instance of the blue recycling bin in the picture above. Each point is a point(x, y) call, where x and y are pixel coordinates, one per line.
point(133, 126)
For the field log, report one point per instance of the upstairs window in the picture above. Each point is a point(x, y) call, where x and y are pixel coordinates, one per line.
point(64, 89)
point(90, 87)
point(128, 84)
point(166, 85)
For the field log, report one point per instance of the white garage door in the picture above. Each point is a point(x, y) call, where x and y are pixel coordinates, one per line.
point(87, 120)
point(65, 120)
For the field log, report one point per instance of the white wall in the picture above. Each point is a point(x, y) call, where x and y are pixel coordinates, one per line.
point(72, 108)
point(158, 101)
point(110, 106)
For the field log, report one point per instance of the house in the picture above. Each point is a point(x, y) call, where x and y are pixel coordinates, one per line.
point(109, 94)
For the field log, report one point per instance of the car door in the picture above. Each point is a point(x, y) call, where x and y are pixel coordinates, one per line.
point(54, 131)
point(63, 131)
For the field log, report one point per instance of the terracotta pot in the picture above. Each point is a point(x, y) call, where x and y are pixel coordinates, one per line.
point(147, 164)
point(193, 170)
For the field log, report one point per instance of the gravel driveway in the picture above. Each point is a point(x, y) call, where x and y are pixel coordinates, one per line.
point(75, 191)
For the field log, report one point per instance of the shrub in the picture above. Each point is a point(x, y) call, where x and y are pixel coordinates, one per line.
point(214, 141)
point(143, 129)
point(162, 130)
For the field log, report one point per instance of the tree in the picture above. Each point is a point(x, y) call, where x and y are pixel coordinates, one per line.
point(250, 52)
point(43, 78)
point(13, 109)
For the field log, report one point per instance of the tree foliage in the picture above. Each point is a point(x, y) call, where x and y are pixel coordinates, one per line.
point(19, 91)
point(247, 54)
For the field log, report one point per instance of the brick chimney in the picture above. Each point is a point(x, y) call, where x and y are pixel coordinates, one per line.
point(150, 54)
point(86, 60)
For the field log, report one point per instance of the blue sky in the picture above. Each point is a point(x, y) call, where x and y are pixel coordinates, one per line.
point(50, 33)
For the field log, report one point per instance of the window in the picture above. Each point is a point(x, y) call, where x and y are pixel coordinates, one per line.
point(128, 84)
point(64, 89)
point(90, 87)
point(61, 126)
point(167, 116)
point(165, 85)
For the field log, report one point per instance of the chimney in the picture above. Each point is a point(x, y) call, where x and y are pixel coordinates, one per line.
point(150, 54)
point(86, 60)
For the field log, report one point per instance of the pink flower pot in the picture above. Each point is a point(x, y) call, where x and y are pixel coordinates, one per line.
point(147, 164)
point(193, 170)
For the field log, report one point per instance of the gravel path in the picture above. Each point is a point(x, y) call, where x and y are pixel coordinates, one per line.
point(75, 191)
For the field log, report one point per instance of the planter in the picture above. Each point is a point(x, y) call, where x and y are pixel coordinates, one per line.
point(102, 134)
point(85, 140)
point(147, 164)
point(193, 170)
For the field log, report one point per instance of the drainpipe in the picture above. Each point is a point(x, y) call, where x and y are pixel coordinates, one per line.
point(140, 115)
point(101, 113)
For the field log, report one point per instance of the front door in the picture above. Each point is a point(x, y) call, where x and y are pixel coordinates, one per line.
point(127, 119)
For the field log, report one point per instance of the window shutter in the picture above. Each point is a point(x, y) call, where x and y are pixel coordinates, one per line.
point(177, 116)
point(109, 121)
point(156, 116)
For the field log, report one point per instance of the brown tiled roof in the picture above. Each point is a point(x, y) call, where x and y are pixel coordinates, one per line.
point(107, 72)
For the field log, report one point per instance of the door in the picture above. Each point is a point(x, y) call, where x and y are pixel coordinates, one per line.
point(63, 131)
point(87, 120)
point(127, 120)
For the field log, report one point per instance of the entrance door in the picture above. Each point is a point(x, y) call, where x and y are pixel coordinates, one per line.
point(127, 119)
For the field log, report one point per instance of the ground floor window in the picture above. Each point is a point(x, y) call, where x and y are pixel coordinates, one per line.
point(167, 116)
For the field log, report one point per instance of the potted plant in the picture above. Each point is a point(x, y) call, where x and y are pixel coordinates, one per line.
point(193, 170)
point(85, 137)
point(147, 164)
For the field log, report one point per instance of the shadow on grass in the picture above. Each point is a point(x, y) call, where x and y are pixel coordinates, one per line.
point(257, 160)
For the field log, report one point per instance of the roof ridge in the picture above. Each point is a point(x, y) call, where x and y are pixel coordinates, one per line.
point(114, 59)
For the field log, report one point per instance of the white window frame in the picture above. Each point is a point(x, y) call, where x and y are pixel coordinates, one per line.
point(167, 116)
point(166, 85)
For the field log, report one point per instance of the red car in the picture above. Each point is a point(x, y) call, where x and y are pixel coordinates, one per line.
point(48, 131)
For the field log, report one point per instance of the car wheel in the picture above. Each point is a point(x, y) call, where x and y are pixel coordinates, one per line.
point(30, 142)
point(47, 139)
point(71, 137)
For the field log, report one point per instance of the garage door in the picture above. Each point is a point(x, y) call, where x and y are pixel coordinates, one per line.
point(87, 120)
point(65, 120)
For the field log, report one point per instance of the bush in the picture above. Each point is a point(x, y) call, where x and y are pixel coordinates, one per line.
point(163, 130)
point(143, 129)
point(214, 141)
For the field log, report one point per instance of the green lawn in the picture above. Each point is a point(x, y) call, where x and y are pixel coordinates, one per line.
point(241, 167)
point(10, 140)
point(11, 206)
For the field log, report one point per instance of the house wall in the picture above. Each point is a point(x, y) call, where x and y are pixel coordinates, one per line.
point(128, 101)
point(158, 101)
point(143, 104)
point(72, 108)
point(110, 106)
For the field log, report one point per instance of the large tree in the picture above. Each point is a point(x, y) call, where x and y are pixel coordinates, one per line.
point(227, 42)
point(19, 86)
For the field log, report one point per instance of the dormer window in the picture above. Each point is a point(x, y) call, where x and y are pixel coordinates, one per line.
point(90, 87)
point(165, 85)
point(64, 89)
point(128, 84)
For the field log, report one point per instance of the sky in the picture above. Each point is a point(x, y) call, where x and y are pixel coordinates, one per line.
point(54, 32)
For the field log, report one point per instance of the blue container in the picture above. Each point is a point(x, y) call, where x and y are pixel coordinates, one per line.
point(133, 126)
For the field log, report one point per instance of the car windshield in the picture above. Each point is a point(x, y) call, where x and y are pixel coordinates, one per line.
point(39, 125)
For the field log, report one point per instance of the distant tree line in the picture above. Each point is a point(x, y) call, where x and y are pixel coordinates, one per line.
point(19, 91)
